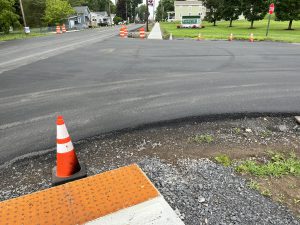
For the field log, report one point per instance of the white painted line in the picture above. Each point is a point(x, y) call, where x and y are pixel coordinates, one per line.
point(155, 212)
point(35, 119)
point(21, 61)
point(57, 49)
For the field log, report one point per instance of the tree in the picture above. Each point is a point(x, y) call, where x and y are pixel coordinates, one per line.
point(121, 9)
point(163, 7)
point(95, 5)
point(34, 11)
point(57, 10)
point(117, 20)
point(214, 10)
point(232, 10)
point(75, 3)
point(133, 4)
point(255, 10)
point(8, 16)
point(287, 10)
point(141, 11)
point(113, 8)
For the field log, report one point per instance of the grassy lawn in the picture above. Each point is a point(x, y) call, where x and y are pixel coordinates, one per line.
point(13, 36)
point(240, 30)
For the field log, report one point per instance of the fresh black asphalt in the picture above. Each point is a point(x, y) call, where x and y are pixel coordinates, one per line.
point(112, 83)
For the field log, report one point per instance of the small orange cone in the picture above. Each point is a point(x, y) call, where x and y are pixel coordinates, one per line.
point(122, 32)
point(251, 39)
point(63, 28)
point(58, 29)
point(125, 33)
point(230, 38)
point(142, 33)
point(68, 167)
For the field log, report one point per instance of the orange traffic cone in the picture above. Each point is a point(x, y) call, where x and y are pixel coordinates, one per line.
point(68, 167)
point(142, 33)
point(58, 29)
point(251, 39)
point(230, 38)
point(122, 32)
point(125, 33)
point(63, 28)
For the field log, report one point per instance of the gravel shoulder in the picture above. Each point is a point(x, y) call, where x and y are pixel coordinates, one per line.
point(184, 171)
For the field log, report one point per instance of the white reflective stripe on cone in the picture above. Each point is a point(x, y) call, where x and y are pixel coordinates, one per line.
point(62, 132)
point(63, 148)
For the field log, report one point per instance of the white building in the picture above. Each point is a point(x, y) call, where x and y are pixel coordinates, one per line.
point(101, 18)
point(189, 8)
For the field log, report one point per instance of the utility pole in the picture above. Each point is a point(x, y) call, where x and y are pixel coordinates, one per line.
point(23, 15)
point(153, 5)
point(126, 10)
point(109, 14)
point(147, 16)
point(130, 11)
point(162, 10)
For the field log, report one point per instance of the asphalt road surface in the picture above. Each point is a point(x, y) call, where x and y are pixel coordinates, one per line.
point(110, 83)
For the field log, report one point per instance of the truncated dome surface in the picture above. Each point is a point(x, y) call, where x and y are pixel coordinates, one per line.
point(80, 201)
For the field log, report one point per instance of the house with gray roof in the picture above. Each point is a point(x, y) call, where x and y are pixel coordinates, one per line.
point(82, 18)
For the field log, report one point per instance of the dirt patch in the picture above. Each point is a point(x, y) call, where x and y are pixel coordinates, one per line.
point(285, 190)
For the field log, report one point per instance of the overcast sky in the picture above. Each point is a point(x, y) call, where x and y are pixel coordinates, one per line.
point(156, 2)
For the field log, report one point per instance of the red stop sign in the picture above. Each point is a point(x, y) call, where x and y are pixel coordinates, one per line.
point(272, 8)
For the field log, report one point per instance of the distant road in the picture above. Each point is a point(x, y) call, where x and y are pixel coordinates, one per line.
point(115, 83)
point(14, 54)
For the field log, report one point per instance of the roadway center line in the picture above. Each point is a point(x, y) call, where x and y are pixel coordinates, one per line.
point(14, 124)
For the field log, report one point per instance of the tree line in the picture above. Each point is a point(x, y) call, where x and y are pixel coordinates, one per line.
point(44, 12)
point(127, 9)
point(230, 10)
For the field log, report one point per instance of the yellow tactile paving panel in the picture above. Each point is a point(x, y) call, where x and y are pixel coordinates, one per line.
point(80, 201)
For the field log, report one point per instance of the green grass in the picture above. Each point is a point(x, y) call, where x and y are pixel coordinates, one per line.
point(224, 160)
point(240, 30)
point(278, 165)
point(200, 139)
point(13, 36)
